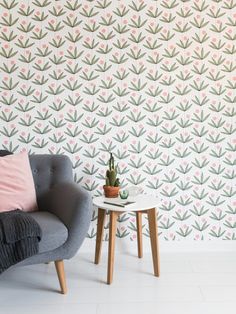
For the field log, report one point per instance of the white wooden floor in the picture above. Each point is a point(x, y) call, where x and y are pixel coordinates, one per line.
point(201, 283)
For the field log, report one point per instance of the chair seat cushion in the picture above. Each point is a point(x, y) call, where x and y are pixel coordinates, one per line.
point(54, 232)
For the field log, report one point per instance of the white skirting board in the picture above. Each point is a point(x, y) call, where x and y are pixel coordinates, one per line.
point(123, 246)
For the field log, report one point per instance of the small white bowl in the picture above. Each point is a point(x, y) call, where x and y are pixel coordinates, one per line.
point(134, 190)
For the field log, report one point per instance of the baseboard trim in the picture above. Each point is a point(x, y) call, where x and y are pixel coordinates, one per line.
point(123, 246)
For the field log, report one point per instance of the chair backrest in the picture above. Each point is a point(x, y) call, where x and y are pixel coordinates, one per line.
point(49, 170)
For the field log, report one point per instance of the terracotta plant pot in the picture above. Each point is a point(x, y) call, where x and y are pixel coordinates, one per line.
point(111, 191)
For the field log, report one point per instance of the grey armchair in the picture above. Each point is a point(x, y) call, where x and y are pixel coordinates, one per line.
point(64, 212)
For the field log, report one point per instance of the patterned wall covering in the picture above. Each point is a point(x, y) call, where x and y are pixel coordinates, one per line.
point(153, 81)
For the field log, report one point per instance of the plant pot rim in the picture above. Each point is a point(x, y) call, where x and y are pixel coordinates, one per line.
point(110, 186)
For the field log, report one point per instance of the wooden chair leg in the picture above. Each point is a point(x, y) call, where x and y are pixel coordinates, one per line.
point(61, 275)
point(152, 220)
point(100, 229)
point(139, 234)
point(111, 249)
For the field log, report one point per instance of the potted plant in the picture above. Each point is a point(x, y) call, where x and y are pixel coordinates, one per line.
point(112, 187)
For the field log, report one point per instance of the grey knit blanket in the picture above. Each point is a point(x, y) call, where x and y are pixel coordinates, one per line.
point(19, 238)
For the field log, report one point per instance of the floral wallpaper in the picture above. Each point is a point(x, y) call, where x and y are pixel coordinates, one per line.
point(153, 81)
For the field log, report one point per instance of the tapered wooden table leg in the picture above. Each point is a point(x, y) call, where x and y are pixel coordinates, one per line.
point(139, 234)
point(100, 229)
point(152, 220)
point(111, 249)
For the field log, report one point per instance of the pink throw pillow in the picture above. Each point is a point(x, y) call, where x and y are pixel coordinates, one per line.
point(17, 189)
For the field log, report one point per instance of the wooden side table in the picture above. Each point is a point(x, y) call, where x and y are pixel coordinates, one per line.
point(143, 205)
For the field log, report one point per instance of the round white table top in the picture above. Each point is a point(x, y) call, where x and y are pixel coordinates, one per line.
point(140, 202)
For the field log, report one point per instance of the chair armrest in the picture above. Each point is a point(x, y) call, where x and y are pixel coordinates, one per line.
point(73, 206)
